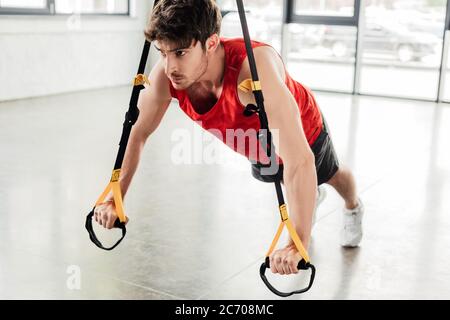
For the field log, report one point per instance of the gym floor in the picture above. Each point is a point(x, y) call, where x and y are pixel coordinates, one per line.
point(200, 231)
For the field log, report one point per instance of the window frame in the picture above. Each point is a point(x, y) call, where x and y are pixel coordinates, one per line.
point(50, 10)
point(444, 55)
point(291, 17)
point(27, 11)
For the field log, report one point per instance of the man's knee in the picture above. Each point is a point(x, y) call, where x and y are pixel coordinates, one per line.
point(337, 177)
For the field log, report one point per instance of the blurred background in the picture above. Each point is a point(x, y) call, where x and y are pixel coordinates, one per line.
point(379, 71)
point(376, 47)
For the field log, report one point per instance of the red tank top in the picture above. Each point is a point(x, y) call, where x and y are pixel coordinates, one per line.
point(227, 113)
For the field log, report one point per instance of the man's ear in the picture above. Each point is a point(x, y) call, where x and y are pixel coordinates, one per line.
point(212, 43)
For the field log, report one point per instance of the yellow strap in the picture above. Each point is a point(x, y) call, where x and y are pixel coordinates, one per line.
point(140, 79)
point(114, 185)
point(249, 84)
point(292, 232)
point(275, 240)
point(118, 201)
point(297, 241)
point(103, 195)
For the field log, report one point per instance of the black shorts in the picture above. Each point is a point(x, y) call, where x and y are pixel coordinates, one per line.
point(326, 160)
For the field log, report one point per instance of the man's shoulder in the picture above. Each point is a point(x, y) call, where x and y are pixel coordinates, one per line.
point(240, 42)
point(264, 55)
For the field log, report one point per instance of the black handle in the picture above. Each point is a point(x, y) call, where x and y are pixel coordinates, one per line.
point(93, 237)
point(302, 265)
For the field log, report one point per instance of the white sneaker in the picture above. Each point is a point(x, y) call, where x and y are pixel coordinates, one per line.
point(351, 234)
point(320, 196)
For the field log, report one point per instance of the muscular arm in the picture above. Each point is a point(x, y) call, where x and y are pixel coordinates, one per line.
point(153, 102)
point(290, 142)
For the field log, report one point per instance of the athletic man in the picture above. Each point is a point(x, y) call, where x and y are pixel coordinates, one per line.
point(203, 72)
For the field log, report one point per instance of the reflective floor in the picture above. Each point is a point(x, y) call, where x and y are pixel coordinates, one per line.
point(200, 229)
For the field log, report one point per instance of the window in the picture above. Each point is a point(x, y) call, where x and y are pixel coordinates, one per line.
point(23, 4)
point(110, 7)
point(386, 48)
point(401, 48)
point(444, 83)
point(91, 6)
point(321, 42)
point(24, 7)
point(325, 8)
point(264, 19)
point(327, 12)
point(445, 77)
point(322, 56)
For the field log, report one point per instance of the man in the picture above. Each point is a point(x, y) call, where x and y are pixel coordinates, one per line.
point(203, 71)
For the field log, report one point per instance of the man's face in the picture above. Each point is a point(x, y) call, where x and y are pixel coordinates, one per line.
point(183, 66)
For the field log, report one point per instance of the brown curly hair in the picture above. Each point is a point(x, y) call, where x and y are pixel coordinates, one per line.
point(181, 21)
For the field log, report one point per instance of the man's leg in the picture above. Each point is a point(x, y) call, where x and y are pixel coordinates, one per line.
point(344, 183)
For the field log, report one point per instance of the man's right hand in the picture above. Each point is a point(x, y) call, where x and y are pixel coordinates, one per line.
point(105, 214)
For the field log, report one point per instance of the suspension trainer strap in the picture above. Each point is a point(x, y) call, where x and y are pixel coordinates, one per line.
point(266, 139)
point(131, 117)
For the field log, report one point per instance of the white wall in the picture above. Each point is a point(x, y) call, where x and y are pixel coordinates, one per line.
point(42, 55)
